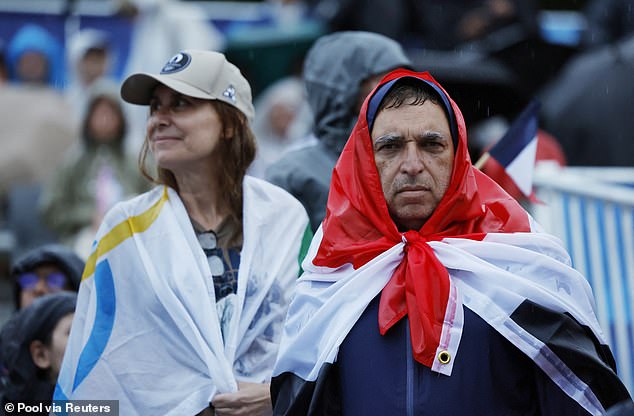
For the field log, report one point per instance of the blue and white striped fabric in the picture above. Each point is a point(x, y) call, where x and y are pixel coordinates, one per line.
point(594, 216)
point(146, 333)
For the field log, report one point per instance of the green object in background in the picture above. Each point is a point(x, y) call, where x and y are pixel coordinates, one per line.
point(266, 54)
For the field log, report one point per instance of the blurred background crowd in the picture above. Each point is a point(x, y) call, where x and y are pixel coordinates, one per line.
point(70, 144)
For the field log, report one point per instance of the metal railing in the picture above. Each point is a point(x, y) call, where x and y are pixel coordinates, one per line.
point(592, 211)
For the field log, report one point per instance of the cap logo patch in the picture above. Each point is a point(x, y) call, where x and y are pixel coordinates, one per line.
point(230, 93)
point(177, 63)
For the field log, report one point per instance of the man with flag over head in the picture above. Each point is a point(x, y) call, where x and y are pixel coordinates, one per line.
point(429, 290)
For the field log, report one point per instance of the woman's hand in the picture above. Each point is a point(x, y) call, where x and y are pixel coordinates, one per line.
point(251, 399)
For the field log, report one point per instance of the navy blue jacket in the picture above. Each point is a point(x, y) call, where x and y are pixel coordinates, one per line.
point(379, 376)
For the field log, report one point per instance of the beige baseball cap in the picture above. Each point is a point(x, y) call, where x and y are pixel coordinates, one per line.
point(195, 73)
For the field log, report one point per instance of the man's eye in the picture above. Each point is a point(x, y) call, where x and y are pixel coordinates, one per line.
point(388, 146)
point(388, 143)
point(433, 145)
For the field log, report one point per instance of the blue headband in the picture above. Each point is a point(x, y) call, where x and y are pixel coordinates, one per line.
point(378, 96)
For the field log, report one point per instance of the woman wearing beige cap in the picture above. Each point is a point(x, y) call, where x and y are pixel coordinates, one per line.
point(184, 295)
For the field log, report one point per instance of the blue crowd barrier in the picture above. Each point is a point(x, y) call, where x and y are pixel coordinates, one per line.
point(592, 211)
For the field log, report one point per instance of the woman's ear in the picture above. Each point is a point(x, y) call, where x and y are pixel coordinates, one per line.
point(40, 354)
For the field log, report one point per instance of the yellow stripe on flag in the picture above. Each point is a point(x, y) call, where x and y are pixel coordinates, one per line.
point(122, 231)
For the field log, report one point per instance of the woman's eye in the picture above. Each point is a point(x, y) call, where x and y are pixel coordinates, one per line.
point(181, 102)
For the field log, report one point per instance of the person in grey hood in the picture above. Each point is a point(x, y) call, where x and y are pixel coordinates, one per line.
point(339, 71)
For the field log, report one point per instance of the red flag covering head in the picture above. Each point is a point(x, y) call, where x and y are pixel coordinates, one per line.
point(358, 226)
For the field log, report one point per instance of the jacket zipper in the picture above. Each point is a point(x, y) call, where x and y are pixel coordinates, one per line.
point(409, 388)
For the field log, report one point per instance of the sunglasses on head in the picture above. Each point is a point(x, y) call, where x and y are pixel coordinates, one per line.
point(55, 281)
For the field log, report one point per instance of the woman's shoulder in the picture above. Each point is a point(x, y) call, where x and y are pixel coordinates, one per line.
point(270, 199)
point(138, 204)
point(266, 191)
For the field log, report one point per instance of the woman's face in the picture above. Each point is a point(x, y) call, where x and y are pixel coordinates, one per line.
point(182, 131)
point(105, 121)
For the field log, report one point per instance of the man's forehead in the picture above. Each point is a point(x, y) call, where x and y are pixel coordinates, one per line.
point(420, 119)
point(378, 96)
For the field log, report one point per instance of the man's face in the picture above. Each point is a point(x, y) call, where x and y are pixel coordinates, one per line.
point(414, 154)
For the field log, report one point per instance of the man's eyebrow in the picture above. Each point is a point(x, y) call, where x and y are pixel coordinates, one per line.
point(434, 135)
point(389, 137)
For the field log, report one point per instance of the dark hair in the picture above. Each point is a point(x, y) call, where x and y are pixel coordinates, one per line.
point(20, 378)
point(234, 154)
point(412, 91)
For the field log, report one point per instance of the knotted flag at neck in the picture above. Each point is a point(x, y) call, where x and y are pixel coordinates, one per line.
point(358, 226)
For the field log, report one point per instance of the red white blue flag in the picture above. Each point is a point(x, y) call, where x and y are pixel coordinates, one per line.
point(516, 150)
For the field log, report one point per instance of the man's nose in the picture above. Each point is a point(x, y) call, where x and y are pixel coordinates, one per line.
point(412, 162)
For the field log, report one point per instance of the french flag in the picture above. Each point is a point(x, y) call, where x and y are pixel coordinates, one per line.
point(516, 150)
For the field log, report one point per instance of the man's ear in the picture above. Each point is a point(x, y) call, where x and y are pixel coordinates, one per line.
point(40, 354)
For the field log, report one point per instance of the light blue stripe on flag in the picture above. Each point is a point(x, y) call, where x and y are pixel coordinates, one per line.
point(59, 396)
point(102, 327)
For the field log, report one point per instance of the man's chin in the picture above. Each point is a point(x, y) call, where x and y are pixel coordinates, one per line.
point(414, 220)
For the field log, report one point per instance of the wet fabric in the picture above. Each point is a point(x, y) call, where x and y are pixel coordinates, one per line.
point(146, 305)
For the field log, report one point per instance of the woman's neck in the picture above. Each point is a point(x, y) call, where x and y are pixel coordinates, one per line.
point(202, 199)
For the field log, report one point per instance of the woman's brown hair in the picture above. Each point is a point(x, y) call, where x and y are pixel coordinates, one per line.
point(235, 153)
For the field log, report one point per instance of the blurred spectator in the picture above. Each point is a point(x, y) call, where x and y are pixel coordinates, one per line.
point(32, 345)
point(95, 174)
point(608, 21)
point(4, 71)
point(37, 129)
point(388, 18)
point(160, 28)
point(89, 59)
point(589, 107)
point(282, 122)
point(339, 72)
point(434, 24)
point(288, 12)
point(34, 56)
point(43, 270)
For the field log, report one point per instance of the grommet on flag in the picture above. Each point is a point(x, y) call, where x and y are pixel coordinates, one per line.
point(444, 357)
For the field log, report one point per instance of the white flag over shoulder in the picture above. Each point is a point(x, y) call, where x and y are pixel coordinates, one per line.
point(146, 331)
